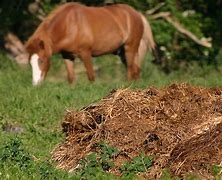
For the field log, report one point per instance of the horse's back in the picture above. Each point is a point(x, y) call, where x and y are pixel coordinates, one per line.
point(72, 27)
point(115, 24)
point(128, 16)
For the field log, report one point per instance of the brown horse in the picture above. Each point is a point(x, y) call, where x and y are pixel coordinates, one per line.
point(74, 30)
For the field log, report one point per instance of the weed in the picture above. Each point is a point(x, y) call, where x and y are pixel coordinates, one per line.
point(215, 171)
point(140, 163)
point(191, 176)
point(106, 154)
point(14, 153)
point(97, 164)
point(15, 159)
point(166, 175)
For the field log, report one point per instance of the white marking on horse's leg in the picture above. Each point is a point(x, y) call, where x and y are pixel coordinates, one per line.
point(36, 72)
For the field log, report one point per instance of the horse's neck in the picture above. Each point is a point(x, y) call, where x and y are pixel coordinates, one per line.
point(48, 48)
point(47, 43)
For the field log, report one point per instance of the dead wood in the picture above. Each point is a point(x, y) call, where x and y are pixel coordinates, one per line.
point(16, 48)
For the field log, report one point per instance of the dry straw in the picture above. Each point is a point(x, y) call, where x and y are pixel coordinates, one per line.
point(180, 125)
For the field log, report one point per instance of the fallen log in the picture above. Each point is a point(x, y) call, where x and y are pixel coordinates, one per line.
point(16, 48)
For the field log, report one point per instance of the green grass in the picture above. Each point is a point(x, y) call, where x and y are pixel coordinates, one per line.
point(39, 111)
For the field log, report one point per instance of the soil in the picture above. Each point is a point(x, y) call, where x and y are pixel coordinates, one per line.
point(179, 125)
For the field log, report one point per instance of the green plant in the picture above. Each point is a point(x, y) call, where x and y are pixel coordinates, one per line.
point(191, 176)
point(13, 153)
point(97, 164)
point(45, 169)
point(215, 171)
point(15, 158)
point(140, 163)
point(166, 175)
point(106, 154)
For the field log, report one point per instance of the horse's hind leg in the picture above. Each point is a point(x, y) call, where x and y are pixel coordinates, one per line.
point(70, 70)
point(121, 53)
point(87, 60)
point(133, 70)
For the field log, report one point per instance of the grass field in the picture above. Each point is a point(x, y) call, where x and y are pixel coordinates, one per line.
point(37, 112)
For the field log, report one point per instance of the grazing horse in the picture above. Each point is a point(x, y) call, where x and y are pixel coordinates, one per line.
point(74, 30)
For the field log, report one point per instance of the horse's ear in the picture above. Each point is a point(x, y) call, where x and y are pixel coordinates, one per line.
point(42, 44)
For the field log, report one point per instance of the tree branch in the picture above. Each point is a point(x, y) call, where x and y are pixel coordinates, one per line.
point(167, 16)
point(156, 8)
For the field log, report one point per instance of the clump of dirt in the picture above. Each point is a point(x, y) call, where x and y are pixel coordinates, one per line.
point(181, 125)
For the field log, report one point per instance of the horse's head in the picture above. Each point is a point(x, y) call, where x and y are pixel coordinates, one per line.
point(39, 59)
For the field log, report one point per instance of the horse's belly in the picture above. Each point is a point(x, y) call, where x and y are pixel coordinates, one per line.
point(106, 45)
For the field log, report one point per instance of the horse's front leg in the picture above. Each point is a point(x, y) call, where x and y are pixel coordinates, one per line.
point(70, 70)
point(87, 60)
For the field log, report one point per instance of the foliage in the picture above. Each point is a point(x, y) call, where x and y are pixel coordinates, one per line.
point(13, 153)
point(98, 163)
point(177, 48)
point(191, 176)
point(15, 158)
point(140, 163)
point(138, 4)
point(14, 17)
point(106, 154)
point(216, 171)
point(91, 167)
point(166, 175)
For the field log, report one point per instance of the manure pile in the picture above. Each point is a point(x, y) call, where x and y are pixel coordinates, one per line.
point(180, 125)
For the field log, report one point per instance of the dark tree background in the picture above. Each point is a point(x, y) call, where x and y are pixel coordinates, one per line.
point(201, 17)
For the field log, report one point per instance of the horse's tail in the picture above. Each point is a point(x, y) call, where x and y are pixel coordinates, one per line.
point(147, 42)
